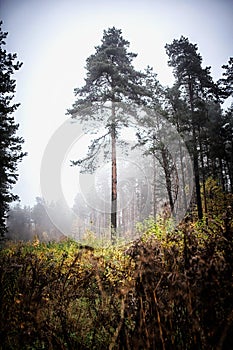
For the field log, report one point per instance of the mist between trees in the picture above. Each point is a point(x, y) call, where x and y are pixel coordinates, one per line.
point(159, 172)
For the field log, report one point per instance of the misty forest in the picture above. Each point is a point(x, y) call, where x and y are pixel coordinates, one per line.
point(144, 258)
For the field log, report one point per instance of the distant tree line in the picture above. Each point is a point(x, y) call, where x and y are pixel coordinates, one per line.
point(27, 223)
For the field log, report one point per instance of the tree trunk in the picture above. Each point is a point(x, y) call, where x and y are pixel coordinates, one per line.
point(197, 177)
point(203, 173)
point(168, 179)
point(195, 156)
point(229, 165)
point(114, 178)
point(154, 189)
point(183, 177)
point(222, 174)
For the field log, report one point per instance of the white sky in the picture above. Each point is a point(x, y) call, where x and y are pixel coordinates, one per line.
point(54, 38)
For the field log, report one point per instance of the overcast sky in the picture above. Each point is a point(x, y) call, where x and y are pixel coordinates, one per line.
point(54, 38)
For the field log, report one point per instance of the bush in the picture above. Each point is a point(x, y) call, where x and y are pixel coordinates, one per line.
point(171, 289)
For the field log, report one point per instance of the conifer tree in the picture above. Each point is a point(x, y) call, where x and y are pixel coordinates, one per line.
point(226, 83)
point(195, 84)
point(111, 79)
point(176, 110)
point(10, 144)
point(152, 135)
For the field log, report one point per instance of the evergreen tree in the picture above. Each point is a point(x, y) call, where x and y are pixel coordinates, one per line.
point(196, 85)
point(177, 113)
point(227, 138)
point(111, 79)
point(10, 144)
point(153, 137)
point(223, 130)
point(226, 83)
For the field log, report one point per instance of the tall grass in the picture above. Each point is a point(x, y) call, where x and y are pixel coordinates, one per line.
point(170, 289)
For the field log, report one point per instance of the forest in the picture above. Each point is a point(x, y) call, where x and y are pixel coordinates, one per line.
point(144, 259)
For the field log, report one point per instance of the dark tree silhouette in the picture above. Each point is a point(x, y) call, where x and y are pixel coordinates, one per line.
point(10, 144)
point(196, 84)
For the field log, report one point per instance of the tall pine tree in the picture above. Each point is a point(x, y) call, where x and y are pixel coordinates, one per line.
point(111, 79)
point(10, 144)
point(195, 84)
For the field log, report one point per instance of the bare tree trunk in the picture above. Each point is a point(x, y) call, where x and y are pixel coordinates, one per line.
point(195, 157)
point(197, 177)
point(114, 177)
point(229, 166)
point(168, 178)
point(203, 173)
point(182, 166)
point(154, 189)
point(222, 176)
point(183, 178)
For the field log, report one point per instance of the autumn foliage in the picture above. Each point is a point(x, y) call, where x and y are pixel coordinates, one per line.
point(170, 289)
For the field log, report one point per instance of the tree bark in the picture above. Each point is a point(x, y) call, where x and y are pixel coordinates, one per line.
point(183, 178)
point(154, 189)
point(203, 173)
point(114, 177)
point(197, 177)
point(195, 156)
point(168, 179)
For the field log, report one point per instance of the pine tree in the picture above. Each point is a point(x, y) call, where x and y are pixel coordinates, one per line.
point(196, 85)
point(226, 83)
point(227, 146)
point(176, 110)
point(111, 78)
point(153, 138)
point(10, 144)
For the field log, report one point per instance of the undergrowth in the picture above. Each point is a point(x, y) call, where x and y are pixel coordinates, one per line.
point(170, 289)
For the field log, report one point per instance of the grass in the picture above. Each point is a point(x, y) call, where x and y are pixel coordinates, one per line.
point(170, 289)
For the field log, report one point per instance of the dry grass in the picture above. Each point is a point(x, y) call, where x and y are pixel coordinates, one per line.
point(164, 291)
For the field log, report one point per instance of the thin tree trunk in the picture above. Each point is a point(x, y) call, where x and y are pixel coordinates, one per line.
point(195, 156)
point(229, 165)
point(222, 176)
point(181, 164)
point(114, 178)
point(197, 179)
point(230, 180)
point(168, 179)
point(154, 189)
point(183, 178)
point(203, 174)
